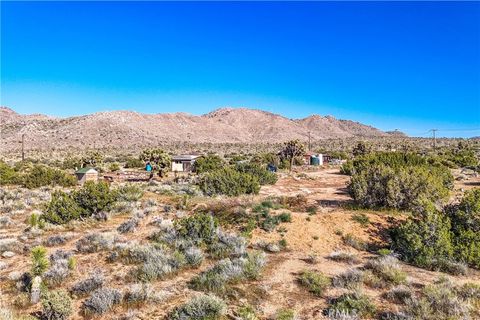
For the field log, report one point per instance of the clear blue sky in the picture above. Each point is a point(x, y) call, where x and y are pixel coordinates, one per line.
point(412, 66)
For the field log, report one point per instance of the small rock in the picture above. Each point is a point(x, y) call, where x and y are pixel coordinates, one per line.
point(3, 265)
point(8, 254)
point(15, 275)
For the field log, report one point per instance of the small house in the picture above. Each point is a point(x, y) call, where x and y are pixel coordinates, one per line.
point(86, 174)
point(184, 163)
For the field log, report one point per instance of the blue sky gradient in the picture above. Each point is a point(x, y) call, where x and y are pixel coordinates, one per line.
point(407, 65)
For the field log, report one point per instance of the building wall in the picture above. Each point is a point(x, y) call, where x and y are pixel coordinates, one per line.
point(177, 166)
point(91, 177)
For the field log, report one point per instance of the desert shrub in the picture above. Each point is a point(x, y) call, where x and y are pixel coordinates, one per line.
point(84, 287)
point(353, 303)
point(62, 208)
point(388, 269)
point(261, 173)
point(95, 197)
point(56, 240)
point(87, 201)
point(57, 272)
point(128, 226)
point(114, 167)
point(57, 305)
point(43, 176)
point(208, 163)
point(285, 314)
point(400, 294)
point(439, 301)
point(380, 186)
point(361, 218)
point(134, 163)
point(315, 282)
point(129, 193)
point(102, 300)
point(94, 242)
point(343, 256)
point(194, 256)
point(229, 271)
point(351, 279)
point(423, 241)
point(227, 181)
point(199, 308)
point(200, 228)
point(228, 245)
point(465, 225)
point(39, 260)
point(138, 294)
point(354, 242)
point(8, 175)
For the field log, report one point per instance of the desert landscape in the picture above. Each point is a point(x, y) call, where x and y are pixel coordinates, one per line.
point(239, 160)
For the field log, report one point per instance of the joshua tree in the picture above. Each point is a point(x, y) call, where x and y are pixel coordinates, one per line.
point(158, 158)
point(92, 159)
point(291, 150)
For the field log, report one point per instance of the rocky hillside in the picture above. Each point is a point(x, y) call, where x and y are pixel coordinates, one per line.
point(118, 129)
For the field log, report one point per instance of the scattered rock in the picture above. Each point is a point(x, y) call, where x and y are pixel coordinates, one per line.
point(8, 254)
point(3, 265)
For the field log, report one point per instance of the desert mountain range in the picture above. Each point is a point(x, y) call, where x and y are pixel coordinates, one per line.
point(121, 129)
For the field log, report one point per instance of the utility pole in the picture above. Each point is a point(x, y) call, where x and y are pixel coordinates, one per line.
point(309, 142)
point(23, 147)
point(434, 131)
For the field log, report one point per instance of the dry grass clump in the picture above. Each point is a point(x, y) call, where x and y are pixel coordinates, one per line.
point(400, 294)
point(229, 271)
point(138, 294)
point(95, 242)
point(101, 301)
point(387, 268)
point(343, 256)
point(228, 244)
point(439, 301)
point(315, 282)
point(350, 279)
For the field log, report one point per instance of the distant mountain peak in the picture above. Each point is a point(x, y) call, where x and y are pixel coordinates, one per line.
point(130, 129)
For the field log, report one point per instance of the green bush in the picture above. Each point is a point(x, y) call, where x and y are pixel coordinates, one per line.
point(8, 175)
point(424, 240)
point(315, 282)
point(228, 182)
point(91, 199)
point(62, 208)
point(260, 172)
point(465, 220)
point(40, 176)
point(132, 163)
point(379, 186)
point(209, 163)
point(95, 197)
point(199, 228)
point(442, 240)
point(129, 192)
point(57, 305)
